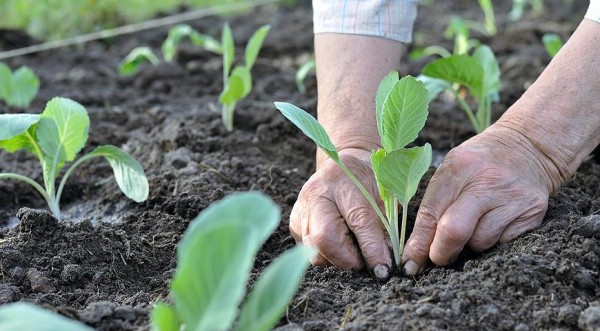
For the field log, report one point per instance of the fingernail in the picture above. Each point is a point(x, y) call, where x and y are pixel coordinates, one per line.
point(411, 268)
point(381, 271)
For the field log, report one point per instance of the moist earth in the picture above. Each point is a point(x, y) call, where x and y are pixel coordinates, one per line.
point(110, 259)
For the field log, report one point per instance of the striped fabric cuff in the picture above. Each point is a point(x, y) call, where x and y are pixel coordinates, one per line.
point(391, 19)
point(593, 12)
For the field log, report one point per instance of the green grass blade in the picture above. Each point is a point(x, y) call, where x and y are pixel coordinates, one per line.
point(309, 126)
point(133, 61)
point(27, 317)
point(404, 113)
point(215, 257)
point(400, 171)
point(274, 290)
point(254, 45)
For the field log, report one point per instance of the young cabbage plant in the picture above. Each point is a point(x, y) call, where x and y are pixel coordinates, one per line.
point(214, 261)
point(18, 88)
point(459, 30)
point(55, 137)
point(401, 111)
point(302, 72)
point(133, 62)
point(552, 43)
point(237, 81)
point(478, 73)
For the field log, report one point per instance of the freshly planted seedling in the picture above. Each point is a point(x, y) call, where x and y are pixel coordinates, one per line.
point(18, 88)
point(478, 73)
point(401, 111)
point(55, 137)
point(237, 81)
point(458, 29)
point(301, 74)
point(214, 260)
point(552, 43)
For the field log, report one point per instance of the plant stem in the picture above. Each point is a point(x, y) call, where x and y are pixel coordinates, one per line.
point(467, 109)
point(68, 174)
point(366, 193)
point(392, 214)
point(403, 228)
point(35, 185)
point(227, 116)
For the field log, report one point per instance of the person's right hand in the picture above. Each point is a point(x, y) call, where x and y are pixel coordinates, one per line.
point(332, 215)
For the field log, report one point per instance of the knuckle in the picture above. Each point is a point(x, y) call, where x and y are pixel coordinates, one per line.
point(360, 218)
point(452, 233)
point(427, 218)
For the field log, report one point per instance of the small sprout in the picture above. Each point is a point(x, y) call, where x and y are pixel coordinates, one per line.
point(490, 21)
point(301, 74)
point(55, 137)
point(176, 35)
point(18, 88)
point(401, 110)
point(132, 62)
point(518, 8)
point(479, 73)
point(552, 43)
point(237, 83)
point(214, 261)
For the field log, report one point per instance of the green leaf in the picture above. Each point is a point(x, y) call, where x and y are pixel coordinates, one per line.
point(400, 171)
point(25, 86)
point(552, 43)
point(163, 318)
point(176, 34)
point(491, 71)
point(462, 69)
point(24, 316)
point(138, 56)
point(228, 49)
point(309, 126)
point(376, 157)
point(25, 141)
point(18, 88)
point(207, 42)
point(302, 73)
point(254, 45)
point(434, 86)
point(405, 113)
point(12, 125)
point(216, 256)
point(384, 89)
point(129, 173)
point(274, 290)
point(238, 87)
point(63, 129)
point(5, 81)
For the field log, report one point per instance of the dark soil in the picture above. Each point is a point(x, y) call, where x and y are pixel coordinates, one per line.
point(111, 258)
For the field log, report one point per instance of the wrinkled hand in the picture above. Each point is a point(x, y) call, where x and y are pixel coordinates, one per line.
point(490, 189)
point(332, 215)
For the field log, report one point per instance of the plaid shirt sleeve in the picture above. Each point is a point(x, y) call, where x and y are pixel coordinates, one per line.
point(391, 19)
point(593, 12)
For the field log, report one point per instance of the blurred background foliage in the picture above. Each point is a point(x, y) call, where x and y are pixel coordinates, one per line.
point(55, 19)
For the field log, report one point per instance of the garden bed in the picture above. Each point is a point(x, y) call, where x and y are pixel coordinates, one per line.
point(112, 258)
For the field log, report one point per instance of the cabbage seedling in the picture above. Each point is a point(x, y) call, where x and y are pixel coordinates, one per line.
point(479, 73)
point(237, 81)
point(18, 88)
point(214, 260)
point(55, 137)
point(401, 110)
point(132, 62)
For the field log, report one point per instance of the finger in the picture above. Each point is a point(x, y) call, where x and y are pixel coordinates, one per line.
point(439, 195)
point(456, 227)
point(327, 231)
point(528, 221)
point(487, 232)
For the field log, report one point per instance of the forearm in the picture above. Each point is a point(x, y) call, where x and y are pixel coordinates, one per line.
point(349, 69)
point(559, 115)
